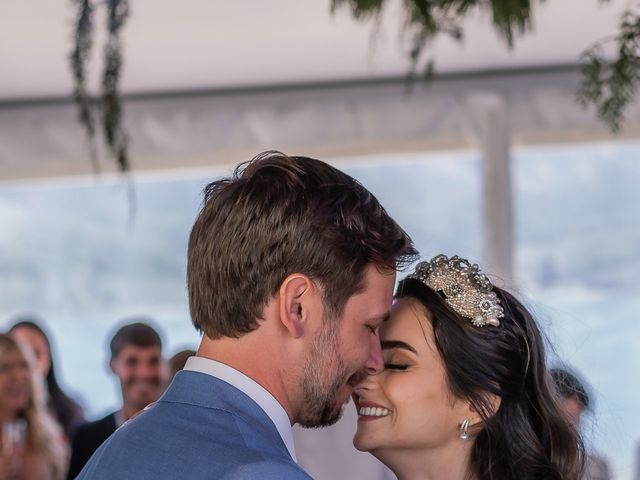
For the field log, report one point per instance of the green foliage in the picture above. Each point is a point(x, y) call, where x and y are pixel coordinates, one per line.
point(610, 86)
point(78, 57)
point(426, 19)
point(360, 8)
point(109, 106)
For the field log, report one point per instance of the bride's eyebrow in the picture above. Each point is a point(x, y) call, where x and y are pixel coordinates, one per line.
point(391, 344)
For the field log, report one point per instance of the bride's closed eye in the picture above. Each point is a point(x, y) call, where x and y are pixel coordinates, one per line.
point(396, 366)
point(398, 355)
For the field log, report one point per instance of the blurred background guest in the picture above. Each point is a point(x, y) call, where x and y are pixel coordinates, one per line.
point(576, 401)
point(176, 363)
point(136, 359)
point(64, 409)
point(32, 445)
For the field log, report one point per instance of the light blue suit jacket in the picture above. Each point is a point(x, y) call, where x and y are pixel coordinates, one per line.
point(201, 428)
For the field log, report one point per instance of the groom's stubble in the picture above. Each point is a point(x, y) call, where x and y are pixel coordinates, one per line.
point(324, 374)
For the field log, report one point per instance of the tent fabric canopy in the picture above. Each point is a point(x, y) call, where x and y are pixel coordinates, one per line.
point(207, 128)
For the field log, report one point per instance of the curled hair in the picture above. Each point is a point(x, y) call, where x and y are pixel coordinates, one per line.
point(278, 215)
point(44, 436)
point(529, 436)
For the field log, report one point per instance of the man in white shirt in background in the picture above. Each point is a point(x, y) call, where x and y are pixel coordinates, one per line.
point(136, 360)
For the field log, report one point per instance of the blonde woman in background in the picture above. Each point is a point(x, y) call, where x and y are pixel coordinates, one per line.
point(62, 407)
point(32, 446)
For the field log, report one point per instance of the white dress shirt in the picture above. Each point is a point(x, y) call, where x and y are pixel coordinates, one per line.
point(253, 390)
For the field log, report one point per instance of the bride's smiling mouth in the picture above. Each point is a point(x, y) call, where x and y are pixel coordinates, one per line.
point(368, 410)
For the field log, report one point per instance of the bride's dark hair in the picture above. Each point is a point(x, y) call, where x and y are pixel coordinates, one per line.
point(529, 436)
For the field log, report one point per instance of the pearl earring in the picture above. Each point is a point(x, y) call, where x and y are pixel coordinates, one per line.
point(464, 430)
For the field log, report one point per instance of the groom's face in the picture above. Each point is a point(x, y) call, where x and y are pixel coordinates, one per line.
point(344, 349)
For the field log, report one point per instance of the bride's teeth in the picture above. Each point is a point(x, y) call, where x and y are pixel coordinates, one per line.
point(374, 412)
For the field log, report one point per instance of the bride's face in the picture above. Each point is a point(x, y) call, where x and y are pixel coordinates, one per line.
point(409, 405)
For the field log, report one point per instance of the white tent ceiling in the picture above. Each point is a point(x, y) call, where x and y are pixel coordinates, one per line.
point(204, 44)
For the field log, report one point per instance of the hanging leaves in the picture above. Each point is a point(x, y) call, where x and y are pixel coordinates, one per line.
point(426, 19)
point(78, 58)
point(610, 85)
point(109, 106)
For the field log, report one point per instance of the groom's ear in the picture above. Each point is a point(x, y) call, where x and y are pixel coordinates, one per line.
point(295, 301)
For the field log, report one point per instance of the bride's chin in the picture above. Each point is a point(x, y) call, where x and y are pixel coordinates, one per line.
point(376, 451)
point(361, 444)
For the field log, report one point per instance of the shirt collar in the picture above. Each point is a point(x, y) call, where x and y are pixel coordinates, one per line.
point(253, 390)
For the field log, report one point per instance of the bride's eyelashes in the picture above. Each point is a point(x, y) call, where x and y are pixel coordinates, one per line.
point(395, 366)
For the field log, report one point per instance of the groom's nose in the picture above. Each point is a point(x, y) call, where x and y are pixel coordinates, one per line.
point(375, 363)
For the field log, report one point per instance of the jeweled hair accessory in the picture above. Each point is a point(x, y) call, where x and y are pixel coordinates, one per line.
point(465, 289)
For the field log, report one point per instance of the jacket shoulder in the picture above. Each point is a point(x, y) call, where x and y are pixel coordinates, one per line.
point(267, 470)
